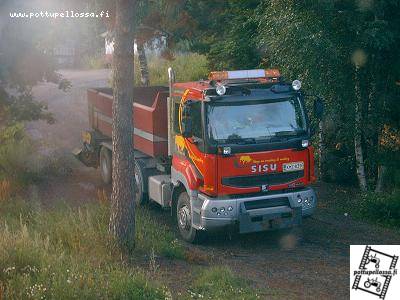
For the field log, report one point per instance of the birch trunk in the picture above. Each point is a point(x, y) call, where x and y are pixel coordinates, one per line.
point(144, 70)
point(360, 167)
point(122, 218)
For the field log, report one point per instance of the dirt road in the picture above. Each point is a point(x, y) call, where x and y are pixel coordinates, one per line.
point(315, 268)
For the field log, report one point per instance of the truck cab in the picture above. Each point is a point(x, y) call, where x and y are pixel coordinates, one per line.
point(240, 153)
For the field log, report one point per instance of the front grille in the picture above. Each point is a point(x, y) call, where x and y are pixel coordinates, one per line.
point(258, 180)
point(265, 203)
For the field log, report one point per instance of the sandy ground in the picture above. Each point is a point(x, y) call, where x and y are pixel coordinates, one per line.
point(315, 267)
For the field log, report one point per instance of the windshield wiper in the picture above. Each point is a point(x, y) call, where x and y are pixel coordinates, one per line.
point(240, 140)
point(289, 133)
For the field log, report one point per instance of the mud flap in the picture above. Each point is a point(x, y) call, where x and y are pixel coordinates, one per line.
point(87, 157)
point(268, 219)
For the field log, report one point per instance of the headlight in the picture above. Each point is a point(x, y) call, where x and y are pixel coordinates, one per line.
point(296, 85)
point(226, 150)
point(220, 89)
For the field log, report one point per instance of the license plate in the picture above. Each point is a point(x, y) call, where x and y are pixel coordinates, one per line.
point(293, 166)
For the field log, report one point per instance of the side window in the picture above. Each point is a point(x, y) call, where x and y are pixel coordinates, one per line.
point(176, 117)
point(196, 120)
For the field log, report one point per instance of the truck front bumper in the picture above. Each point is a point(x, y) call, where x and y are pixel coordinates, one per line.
point(259, 213)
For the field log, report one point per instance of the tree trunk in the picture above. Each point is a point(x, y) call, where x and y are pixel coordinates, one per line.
point(381, 175)
point(358, 135)
point(122, 218)
point(144, 70)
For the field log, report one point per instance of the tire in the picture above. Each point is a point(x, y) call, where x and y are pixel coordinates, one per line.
point(140, 196)
point(184, 220)
point(105, 165)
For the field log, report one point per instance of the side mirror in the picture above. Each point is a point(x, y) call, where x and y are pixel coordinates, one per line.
point(186, 122)
point(318, 108)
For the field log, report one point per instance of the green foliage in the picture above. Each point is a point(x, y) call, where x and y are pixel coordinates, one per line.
point(225, 33)
point(23, 107)
point(221, 283)
point(15, 155)
point(151, 235)
point(188, 67)
point(21, 164)
point(25, 60)
point(66, 253)
point(382, 209)
point(336, 49)
point(94, 61)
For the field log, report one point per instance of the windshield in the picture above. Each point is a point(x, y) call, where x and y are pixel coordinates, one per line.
point(255, 121)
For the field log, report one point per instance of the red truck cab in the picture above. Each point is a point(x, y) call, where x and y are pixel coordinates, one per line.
point(231, 151)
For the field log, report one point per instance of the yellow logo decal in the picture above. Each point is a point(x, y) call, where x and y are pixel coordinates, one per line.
point(245, 159)
point(180, 143)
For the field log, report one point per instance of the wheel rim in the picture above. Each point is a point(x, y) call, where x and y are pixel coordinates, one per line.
point(184, 219)
point(104, 167)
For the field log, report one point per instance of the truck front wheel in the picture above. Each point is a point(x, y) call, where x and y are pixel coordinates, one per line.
point(184, 220)
point(105, 165)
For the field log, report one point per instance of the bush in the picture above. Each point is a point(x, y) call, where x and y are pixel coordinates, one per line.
point(380, 208)
point(15, 154)
point(188, 67)
point(21, 164)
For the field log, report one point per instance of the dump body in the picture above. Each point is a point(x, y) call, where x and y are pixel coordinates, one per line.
point(150, 119)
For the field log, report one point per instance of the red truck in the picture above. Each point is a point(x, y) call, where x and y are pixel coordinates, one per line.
point(231, 151)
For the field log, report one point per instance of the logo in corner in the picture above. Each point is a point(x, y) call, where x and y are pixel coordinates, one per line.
point(373, 271)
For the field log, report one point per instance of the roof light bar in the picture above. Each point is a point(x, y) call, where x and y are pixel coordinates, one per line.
point(244, 74)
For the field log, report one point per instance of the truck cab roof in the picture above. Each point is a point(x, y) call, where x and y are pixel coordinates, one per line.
point(243, 91)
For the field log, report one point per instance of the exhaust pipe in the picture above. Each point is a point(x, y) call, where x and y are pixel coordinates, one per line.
point(170, 102)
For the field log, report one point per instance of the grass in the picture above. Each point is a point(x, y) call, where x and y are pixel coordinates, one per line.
point(221, 283)
point(187, 67)
point(65, 253)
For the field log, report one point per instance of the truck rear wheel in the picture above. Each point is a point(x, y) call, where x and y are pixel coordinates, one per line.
point(184, 220)
point(105, 165)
